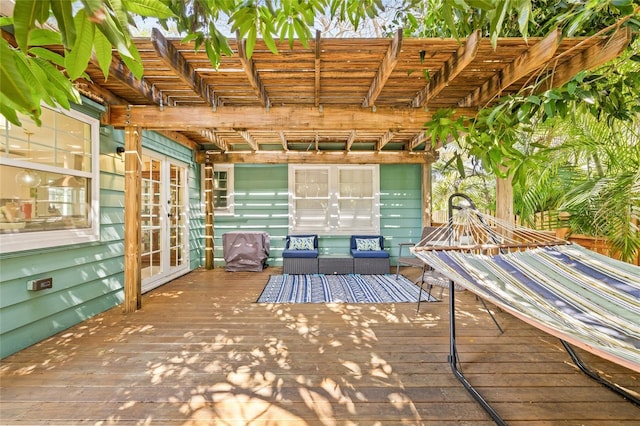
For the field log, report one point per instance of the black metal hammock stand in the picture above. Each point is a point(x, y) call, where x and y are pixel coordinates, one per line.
point(585, 299)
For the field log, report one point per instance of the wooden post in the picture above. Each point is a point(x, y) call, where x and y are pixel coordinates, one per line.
point(504, 200)
point(132, 225)
point(426, 194)
point(208, 224)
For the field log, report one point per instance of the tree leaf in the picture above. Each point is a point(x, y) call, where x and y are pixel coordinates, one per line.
point(53, 57)
point(77, 58)
point(154, 8)
point(14, 90)
point(134, 65)
point(25, 15)
point(62, 10)
point(102, 50)
point(44, 37)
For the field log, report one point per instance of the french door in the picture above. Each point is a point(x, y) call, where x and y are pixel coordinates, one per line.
point(164, 221)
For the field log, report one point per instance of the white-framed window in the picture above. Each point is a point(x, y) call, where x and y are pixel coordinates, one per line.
point(334, 199)
point(49, 181)
point(223, 189)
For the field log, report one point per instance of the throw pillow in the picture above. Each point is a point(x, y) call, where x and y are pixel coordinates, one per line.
point(368, 244)
point(301, 243)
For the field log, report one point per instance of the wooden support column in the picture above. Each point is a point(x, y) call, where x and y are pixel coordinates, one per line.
point(208, 223)
point(504, 200)
point(132, 225)
point(426, 194)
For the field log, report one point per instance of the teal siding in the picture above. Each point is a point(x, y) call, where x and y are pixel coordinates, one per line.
point(400, 205)
point(261, 204)
point(261, 197)
point(87, 278)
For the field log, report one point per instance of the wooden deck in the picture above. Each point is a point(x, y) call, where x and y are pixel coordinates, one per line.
point(201, 352)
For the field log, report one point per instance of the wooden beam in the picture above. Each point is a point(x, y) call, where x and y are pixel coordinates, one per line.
point(385, 139)
point(350, 139)
point(535, 57)
point(119, 71)
point(99, 93)
point(417, 140)
point(504, 199)
point(132, 215)
point(387, 65)
point(600, 53)
point(451, 68)
point(426, 194)
point(249, 139)
point(212, 137)
point(283, 139)
point(181, 139)
point(316, 85)
point(182, 69)
point(209, 217)
point(323, 157)
point(252, 74)
point(274, 119)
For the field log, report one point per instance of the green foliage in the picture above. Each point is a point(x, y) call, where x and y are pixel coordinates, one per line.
point(32, 74)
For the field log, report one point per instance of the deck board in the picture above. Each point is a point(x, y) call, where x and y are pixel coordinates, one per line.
point(202, 352)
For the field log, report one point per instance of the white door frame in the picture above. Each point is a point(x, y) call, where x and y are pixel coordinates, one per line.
point(166, 271)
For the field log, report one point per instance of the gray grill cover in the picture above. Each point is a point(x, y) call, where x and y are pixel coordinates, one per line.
point(245, 251)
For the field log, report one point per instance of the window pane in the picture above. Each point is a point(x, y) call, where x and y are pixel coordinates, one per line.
point(220, 185)
point(356, 183)
point(32, 200)
point(334, 199)
point(61, 141)
point(311, 214)
point(312, 183)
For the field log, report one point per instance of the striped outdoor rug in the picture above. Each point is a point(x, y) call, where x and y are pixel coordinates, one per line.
point(353, 288)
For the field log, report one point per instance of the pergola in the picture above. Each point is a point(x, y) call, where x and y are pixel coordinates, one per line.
point(350, 100)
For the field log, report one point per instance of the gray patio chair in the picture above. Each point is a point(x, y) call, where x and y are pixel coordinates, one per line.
point(406, 258)
point(427, 275)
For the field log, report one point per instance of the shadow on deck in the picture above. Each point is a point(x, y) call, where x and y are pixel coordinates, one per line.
point(202, 352)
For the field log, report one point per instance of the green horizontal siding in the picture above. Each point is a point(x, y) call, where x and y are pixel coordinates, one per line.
point(87, 278)
point(262, 204)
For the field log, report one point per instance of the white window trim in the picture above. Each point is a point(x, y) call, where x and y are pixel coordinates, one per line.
point(230, 209)
point(333, 228)
point(44, 239)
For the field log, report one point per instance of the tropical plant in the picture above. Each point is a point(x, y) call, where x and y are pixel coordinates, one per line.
point(592, 172)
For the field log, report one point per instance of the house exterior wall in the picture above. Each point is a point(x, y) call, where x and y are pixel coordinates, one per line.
point(261, 204)
point(87, 278)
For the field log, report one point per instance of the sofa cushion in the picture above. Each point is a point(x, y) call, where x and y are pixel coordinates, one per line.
point(301, 246)
point(371, 246)
point(300, 253)
point(367, 244)
point(369, 253)
point(301, 243)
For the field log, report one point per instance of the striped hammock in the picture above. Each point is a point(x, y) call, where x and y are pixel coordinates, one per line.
point(579, 296)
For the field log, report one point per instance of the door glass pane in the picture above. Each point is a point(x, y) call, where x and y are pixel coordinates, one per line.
point(151, 217)
point(176, 215)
